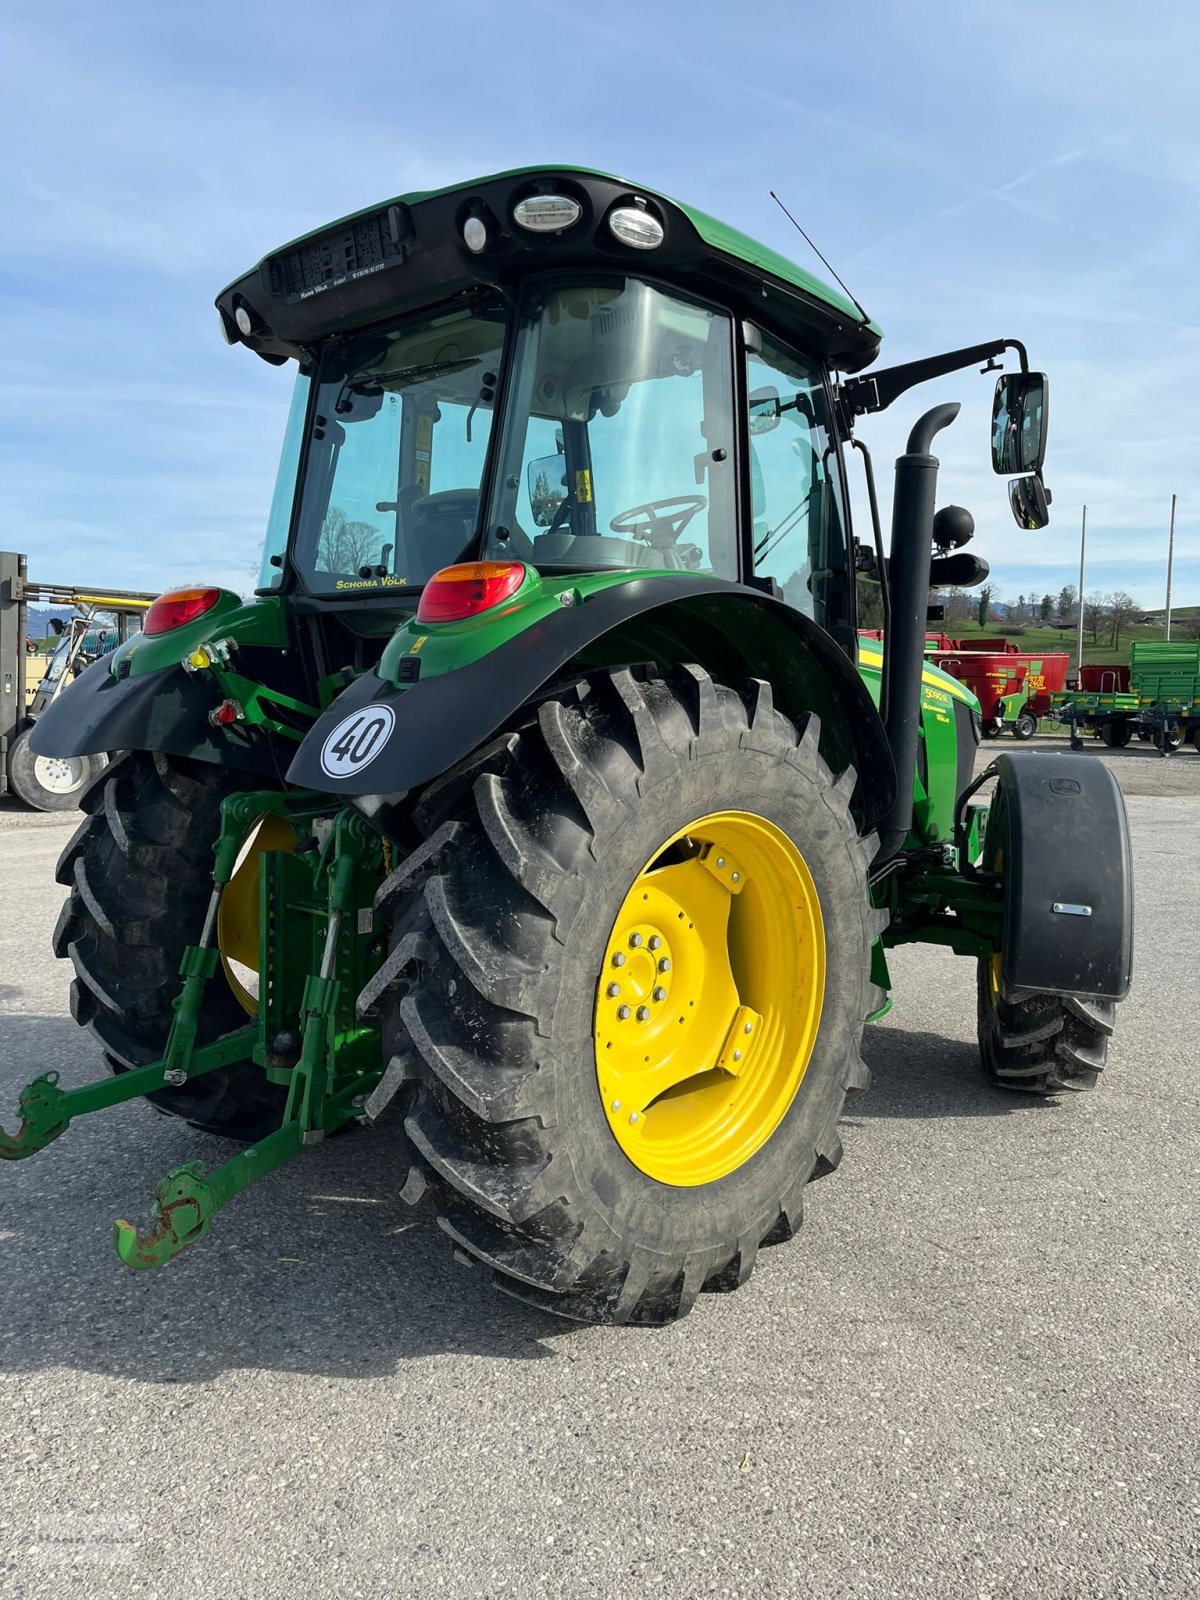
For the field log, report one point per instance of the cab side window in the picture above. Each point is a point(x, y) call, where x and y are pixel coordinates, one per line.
point(797, 533)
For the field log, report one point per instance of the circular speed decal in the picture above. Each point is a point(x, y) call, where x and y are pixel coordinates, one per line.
point(356, 741)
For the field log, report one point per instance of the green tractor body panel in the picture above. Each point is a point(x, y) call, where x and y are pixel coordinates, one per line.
point(949, 737)
point(260, 622)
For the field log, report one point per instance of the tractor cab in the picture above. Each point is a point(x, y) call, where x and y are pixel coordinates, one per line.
point(554, 369)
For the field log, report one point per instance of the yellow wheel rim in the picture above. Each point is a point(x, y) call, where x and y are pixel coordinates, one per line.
point(238, 916)
point(710, 1000)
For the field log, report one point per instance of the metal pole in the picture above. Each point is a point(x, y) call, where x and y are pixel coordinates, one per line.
point(22, 628)
point(1079, 641)
point(1170, 563)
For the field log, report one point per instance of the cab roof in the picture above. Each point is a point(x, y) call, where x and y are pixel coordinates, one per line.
point(410, 251)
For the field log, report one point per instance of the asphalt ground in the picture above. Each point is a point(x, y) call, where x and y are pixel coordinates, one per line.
point(974, 1373)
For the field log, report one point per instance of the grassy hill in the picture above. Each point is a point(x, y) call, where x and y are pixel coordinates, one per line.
point(1035, 637)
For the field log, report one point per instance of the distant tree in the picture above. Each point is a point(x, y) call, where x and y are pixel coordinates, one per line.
point(870, 603)
point(344, 545)
point(1094, 614)
point(986, 595)
point(1046, 608)
point(1123, 611)
point(1020, 605)
point(957, 603)
point(545, 500)
point(1068, 603)
point(1191, 627)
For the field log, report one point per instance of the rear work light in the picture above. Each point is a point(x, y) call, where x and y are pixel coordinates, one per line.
point(465, 590)
point(177, 606)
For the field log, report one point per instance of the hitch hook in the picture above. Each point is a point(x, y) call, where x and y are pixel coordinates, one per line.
point(183, 1211)
point(42, 1119)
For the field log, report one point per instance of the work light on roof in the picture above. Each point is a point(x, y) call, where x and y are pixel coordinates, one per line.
point(547, 213)
point(475, 234)
point(244, 320)
point(635, 227)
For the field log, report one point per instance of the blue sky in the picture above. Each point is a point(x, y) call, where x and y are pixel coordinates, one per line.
point(971, 170)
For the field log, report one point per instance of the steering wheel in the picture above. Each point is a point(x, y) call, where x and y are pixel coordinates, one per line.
point(659, 522)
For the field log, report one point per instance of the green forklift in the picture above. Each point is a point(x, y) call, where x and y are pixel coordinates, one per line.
point(542, 805)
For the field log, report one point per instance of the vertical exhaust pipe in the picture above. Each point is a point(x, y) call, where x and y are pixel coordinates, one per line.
point(913, 506)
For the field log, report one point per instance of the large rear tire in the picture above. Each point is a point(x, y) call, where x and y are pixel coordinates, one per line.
point(595, 1191)
point(140, 875)
point(1116, 733)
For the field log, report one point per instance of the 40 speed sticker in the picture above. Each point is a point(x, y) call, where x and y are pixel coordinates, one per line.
point(356, 741)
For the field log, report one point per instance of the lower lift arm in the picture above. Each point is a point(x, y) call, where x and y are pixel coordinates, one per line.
point(339, 1062)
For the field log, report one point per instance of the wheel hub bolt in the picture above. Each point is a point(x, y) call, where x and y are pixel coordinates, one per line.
point(643, 1013)
point(660, 993)
point(614, 990)
point(664, 965)
point(619, 959)
point(737, 877)
point(720, 861)
point(635, 940)
point(749, 1027)
point(654, 942)
point(622, 1013)
point(737, 1055)
point(633, 1116)
point(616, 1105)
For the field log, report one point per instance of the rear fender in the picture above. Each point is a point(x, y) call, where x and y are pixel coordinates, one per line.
point(166, 710)
point(422, 729)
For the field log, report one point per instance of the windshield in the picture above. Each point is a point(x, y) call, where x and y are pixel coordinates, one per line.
point(399, 436)
point(618, 446)
point(83, 641)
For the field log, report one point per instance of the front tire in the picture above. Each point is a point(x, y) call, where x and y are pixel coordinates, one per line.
point(1025, 726)
point(140, 875)
point(495, 998)
point(1116, 735)
point(1044, 1043)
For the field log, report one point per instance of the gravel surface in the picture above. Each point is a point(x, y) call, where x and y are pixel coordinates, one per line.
point(973, 1374)
point(1139, 768)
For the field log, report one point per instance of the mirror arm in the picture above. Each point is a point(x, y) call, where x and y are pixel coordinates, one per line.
point(877, 531)
point(876, 391)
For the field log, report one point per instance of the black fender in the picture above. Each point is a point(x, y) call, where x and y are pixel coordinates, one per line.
point(166, 711)
point(732, 631)
point(1059, 838)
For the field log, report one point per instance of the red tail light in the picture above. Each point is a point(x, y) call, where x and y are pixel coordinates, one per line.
point(177, 606)
point(466, 589)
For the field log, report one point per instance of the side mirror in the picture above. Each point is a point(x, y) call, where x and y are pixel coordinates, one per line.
point(546, 479)
point(1029, 502)
point(764, 411)
point(1019, 413)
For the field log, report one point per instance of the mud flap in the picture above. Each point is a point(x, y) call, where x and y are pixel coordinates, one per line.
point(1059, 837)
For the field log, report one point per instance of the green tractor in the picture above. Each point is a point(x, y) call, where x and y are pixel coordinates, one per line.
point(542, 800)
